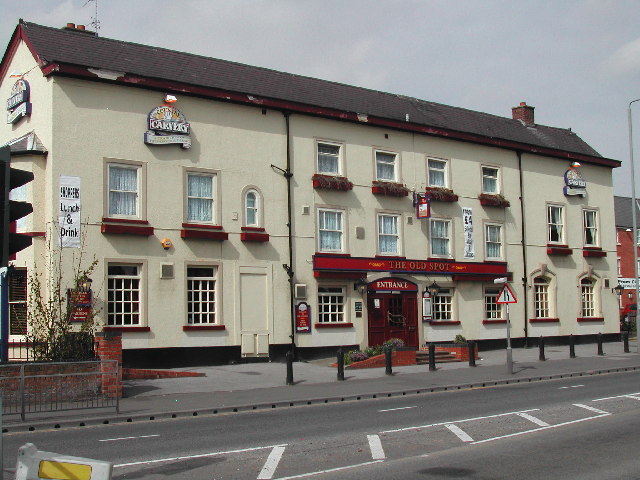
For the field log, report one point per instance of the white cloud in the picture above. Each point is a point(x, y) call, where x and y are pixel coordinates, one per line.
point(625, 59)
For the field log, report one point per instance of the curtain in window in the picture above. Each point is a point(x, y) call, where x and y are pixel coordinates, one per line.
point(489, 184)
point(251, 205)
point(328, 159)
point(493, 241)
point(555, 224)
point(388, 238)
point(123, 191)
point(436, 173)
point(330, 231)
point(440, 238)
point(385, 166)
point(200, 198)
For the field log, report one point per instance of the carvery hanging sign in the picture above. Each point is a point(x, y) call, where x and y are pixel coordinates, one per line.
point(435, 267)
point(18, 104)
point(167, 125)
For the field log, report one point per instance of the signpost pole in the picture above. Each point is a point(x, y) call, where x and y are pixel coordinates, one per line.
point(509, 350)
point(506, 297)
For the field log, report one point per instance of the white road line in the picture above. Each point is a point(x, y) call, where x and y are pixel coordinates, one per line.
point(202, 455)
point(126, 438)
point(632, 396)
point(272, 463)
point(533, 419)
point(459, 421)
point(617, 396)
point(539, 429)
point(587, 407)
point(461, 434)
point(399, 408)
point(571, 386)
point(337, 469)
point(377, 452)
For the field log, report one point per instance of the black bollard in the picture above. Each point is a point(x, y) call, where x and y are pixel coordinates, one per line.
point(432, 357)
point(625, 340)
point(340, 364)
point(541, 357)
point(289, 357)
point(472, 354)
point(572, 347)
point(600, 352)
point(387, 360)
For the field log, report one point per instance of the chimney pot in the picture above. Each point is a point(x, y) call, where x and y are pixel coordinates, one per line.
point(524, 113)
point(80, 27)
point(71, 25)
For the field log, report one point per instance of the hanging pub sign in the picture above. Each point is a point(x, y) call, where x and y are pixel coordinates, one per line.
point(467, 217)
point(427, 314)
point(423, 206)
point(574, 184)
point(167, 125)
point(18, 105)
point(79, 304)
point(303, 318)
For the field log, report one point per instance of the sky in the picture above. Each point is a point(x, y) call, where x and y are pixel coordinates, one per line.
point(577, 62)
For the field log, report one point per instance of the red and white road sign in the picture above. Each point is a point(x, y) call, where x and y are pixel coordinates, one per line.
point(506, 295)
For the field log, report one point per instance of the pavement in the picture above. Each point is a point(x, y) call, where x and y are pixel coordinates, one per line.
point(255, 386)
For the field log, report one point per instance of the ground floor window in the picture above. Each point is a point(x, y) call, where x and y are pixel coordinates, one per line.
point(541, 302)
point(442, 305)
point(18, 301)
point(588, 303)
point(331, 302)
point(201, 295)
point(492, 310)
point(123, 295)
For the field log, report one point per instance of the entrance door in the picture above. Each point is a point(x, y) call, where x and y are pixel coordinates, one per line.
point(393, 315)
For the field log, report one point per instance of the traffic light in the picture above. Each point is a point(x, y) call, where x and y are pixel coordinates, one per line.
point(11, 178)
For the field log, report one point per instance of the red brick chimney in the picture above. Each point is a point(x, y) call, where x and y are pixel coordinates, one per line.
point(524, 113)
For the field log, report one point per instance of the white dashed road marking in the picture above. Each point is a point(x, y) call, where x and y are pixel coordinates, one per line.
point(461, 434)
point(377, 452)
point(272, 463)
point(533, 419)
point(592, 409)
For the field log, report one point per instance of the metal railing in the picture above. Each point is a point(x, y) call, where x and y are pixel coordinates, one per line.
point(28, 388)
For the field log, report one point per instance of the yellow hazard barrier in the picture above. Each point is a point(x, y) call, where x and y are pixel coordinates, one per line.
point(34, 464)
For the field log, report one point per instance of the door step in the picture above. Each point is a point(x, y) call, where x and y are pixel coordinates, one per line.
point(422, 357)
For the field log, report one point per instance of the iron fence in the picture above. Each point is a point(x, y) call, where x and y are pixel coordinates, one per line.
point(74, 346)
point(28, 388)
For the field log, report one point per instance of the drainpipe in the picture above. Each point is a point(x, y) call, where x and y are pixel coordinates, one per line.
point(524, 253)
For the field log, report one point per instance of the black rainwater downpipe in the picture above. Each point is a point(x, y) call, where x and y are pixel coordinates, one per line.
point(289, 268)
point(524, 253)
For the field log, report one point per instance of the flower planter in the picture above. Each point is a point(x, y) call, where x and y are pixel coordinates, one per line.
point(390, 189)
point(328, 182)
point(493, 200)
point(438, 194)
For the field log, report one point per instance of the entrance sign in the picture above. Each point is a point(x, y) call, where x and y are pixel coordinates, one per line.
point(69, 212)
point(393, 284)
point(506, 295)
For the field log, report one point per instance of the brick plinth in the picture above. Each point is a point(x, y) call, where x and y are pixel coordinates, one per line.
point(108, 346)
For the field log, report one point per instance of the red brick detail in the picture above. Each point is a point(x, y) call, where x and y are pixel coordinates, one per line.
point(593, 252)
point(108, 346)
point(524, 113)
point(126, 329)
point(126, 229)
point(442, 323)
point(398, 359)
point(201, 226)
point(491, 322)
point(147, 374)
point(333, 325)
point(559, 250)
point(544, 320)
point(590, 319)
point(460, 351)
point(204, 234)
point(254, 237)
point(187, 328)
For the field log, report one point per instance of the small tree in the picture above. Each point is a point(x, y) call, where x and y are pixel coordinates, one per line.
point(51, 332)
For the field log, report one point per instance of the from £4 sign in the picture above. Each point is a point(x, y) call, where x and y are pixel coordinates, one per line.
point(506, 295)
point(69, 213)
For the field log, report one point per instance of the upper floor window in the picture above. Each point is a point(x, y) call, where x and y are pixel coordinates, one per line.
point(252, 208)
point(329, 159)
point(200, 195)
point(124, 295)
point(490, 180)
point(386, 166)
point(330, 230)
point(201, 295)
point(590, 223)
point(389, 234)
point(124, 190)
point(440, 237)
point(638, 237)
point(437, 172)
point(555, 224)
point(493, 241)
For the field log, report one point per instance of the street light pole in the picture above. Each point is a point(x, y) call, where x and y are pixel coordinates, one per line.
point(633, 211)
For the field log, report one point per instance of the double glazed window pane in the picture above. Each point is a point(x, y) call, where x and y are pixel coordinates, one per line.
point(328, 159)
point(123, 191)
point(200, 198)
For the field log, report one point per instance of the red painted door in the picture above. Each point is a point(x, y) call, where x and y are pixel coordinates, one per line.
point(393, 315)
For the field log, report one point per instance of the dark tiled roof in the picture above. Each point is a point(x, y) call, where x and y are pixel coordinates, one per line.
point(623, 211)
point(63, 46)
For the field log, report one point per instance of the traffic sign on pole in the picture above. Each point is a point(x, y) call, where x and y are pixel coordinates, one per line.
point(506, 295)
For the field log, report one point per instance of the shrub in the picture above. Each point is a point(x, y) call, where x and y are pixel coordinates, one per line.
point(394, 343)
point(459, 339)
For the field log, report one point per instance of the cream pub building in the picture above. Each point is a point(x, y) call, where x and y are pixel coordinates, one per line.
point(236, 210)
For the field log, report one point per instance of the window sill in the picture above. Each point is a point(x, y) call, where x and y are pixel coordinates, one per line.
point(190, 328)
point(126, 329)
point(493, 322)
point(334, 325)
point(590, 319)
point(544, 320)
point(559, 250)
point(593, 252)
point(126, 226)
point(442, 323)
